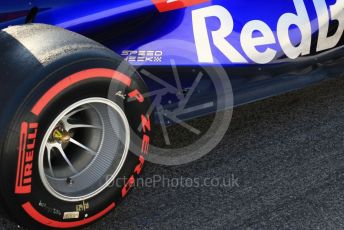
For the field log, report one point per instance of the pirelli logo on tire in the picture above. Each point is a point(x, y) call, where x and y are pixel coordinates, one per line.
point(28, 134)
point(169, 5)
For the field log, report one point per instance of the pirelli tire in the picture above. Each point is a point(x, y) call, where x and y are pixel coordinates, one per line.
point(69, 97)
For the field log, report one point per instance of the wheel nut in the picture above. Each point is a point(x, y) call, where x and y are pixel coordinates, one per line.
point(61, 135)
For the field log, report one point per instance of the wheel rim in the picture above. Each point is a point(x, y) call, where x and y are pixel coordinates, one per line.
point(84, 149)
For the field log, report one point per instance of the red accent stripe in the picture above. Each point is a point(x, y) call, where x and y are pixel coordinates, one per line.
point(57, 224)
point(75, 78)
point(165, 5)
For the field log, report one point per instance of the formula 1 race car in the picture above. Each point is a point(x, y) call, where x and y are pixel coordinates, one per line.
point(75, 116)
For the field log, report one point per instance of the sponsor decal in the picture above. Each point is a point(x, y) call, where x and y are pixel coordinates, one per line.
point(146, 127)
point(130, 183)
point(206, 40)
point(142, 55)
point(27, 144)
point(137, 95)
point(168, 5)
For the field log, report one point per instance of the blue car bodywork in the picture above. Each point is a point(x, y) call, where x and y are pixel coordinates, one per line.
point(267, 47)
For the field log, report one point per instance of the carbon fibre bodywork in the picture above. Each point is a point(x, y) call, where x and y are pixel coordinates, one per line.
point(208, 34)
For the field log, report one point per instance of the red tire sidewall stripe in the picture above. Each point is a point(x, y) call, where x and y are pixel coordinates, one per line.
point(57, 224)
point(75, 78)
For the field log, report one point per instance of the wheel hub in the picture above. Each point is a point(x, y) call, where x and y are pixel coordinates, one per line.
point(61, 135)
point(84, 149)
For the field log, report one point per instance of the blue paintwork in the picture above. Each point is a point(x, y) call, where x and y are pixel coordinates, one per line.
point(93, 18)
point(137, 25)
